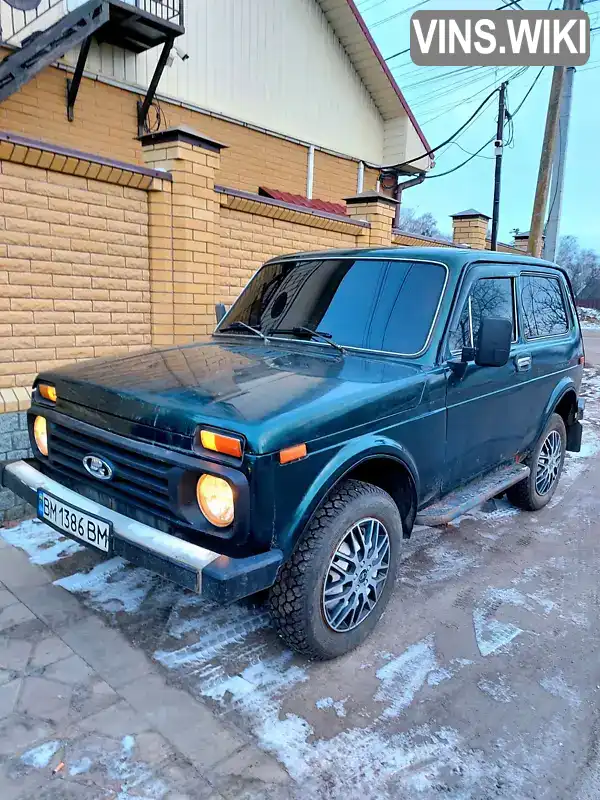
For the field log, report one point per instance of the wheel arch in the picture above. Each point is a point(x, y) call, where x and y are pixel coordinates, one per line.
point(379, 461)
point(562, 401)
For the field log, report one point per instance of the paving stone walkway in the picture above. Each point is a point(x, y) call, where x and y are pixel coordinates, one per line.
point(84, 715)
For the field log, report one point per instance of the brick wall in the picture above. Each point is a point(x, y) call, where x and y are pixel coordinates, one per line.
point(74, 274)
point(106, 124)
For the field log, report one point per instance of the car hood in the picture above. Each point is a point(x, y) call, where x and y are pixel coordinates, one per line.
point(274, 395)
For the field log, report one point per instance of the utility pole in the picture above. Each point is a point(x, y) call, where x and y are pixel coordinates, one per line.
point(558, 169)
point(534, 246)
point(540, 202)
point(498, 171)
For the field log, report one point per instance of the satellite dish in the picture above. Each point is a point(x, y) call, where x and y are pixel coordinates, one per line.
point(24, 5)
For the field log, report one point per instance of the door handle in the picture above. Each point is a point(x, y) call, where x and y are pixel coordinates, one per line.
point(523, 363)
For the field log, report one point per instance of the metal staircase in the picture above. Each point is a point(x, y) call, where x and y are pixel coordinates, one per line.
point(123, 23)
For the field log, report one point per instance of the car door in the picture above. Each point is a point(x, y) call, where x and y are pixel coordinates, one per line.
point(486, 424)
point(552, 340)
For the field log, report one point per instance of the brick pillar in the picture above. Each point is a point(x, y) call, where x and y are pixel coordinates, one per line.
point(379, 211)
point(521, 241)
point(160, 241)
point(184, 248)
point(470, 228)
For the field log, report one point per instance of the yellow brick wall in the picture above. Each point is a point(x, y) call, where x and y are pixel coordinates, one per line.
point(74, 279)
point(248, 240)
point(336, 179)
point(406, 240)
point(105, 123)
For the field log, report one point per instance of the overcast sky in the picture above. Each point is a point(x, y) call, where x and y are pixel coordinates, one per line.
point(440, 107)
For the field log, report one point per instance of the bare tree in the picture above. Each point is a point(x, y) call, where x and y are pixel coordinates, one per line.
point(423, 225)
point(582, 264)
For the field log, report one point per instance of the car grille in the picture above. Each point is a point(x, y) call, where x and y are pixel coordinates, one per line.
point(138, 479)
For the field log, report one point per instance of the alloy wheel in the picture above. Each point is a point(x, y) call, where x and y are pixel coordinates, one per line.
point(356, 575)
point(549, 463)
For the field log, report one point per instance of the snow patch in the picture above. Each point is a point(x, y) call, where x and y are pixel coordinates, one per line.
point(402, 677)
point(215, 632)
point(42, 544)
point(447, 563)
point(39, 757)
point(558, 687)
point(416, 761)
point(112, 585)
point(336, 705)
point(497, 689)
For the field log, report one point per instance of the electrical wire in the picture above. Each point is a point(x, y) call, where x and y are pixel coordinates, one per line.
point(450, 138)
point(398, 14)
point(477, 152)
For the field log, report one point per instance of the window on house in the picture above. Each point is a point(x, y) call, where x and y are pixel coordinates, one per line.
point(543, 307)
point(489, 297)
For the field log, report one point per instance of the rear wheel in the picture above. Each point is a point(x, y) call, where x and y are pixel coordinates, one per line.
point(331, 593)
point(546, 464)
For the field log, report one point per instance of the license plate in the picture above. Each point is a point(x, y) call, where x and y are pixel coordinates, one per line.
point(75, 523)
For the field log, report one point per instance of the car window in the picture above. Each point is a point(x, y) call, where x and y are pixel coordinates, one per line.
point(401, 325)
point(373, 304)
point(489, 297)
point(543, 307)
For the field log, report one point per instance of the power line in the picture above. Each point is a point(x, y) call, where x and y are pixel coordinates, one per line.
point(450, 138)
point(398, 14)
point(401, 53)
point(477, 152)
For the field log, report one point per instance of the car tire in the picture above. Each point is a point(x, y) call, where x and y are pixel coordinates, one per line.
point(304, 602)
point(536, 491)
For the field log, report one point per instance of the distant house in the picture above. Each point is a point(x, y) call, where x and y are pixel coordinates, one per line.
point(589, 297)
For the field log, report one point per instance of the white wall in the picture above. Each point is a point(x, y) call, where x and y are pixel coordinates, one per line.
point(273, 63)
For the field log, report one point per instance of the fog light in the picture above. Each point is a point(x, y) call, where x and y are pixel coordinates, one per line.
point(40, 434)
point(215, 498)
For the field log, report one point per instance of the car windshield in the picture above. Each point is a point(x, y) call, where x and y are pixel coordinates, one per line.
point(386, 305)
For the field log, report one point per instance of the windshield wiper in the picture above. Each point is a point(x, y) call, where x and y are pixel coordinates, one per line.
point(298, 331)
point(237, 325)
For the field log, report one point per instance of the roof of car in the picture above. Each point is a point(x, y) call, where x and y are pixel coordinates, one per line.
point(455, 257)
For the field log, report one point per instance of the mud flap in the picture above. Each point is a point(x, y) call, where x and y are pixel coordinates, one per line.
point(574, 436)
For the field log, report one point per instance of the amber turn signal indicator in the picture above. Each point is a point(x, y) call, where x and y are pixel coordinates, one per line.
point(292, 453)
point(228, 445)
point(47, 392)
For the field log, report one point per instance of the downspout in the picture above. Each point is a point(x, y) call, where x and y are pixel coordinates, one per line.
point(400, 188)
point(310, 171)
point(360, 181)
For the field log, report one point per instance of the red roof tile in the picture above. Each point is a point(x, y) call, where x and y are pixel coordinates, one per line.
point(300, 200)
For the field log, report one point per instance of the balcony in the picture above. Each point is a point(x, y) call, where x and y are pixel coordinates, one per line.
point(40, 32)
point(136, 25)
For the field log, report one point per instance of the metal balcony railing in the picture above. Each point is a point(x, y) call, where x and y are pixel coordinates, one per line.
point(13, 20)
point(15, 24)
point(170, 10)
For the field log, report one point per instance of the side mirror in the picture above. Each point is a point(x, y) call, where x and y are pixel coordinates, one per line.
point(493, 342)
point(220, 311)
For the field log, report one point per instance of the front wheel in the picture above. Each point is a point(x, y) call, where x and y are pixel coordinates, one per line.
point(546, 464)
point(331, 593)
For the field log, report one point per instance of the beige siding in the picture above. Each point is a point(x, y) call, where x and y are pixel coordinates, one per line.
point(272, 63)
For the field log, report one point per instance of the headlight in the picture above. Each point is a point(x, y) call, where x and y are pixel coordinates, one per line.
point(215, 498)
point(40, 434)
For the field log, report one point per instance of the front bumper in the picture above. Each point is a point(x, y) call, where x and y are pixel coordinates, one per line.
point(215, 576)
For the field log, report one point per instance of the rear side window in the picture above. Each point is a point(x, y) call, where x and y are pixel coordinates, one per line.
point(543, 307)
point(489, 297)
